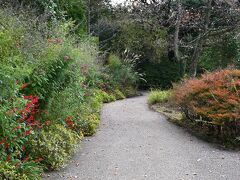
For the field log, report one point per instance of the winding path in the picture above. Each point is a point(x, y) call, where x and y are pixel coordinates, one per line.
point(135, 143)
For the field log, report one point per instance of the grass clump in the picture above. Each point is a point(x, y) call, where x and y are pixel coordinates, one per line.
point(158, 96)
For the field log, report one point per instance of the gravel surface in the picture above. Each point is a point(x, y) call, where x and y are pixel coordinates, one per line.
point(135, 143)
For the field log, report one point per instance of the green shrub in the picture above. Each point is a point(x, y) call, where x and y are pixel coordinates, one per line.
point(22, 171)
point(55, 145)
point(8, 171)
point(220, 54)
point(88, 124)
point(52, 74)
point(95, 105)
point(122, 71)
point(15, 133)
point(33, 51)
point(79, 109)
point(73, 98)
point(158, 96)
point(83, 74)
point(114, 61)
point(62, 9)
point(89, 117)
point(130, 91)
point(14, 66)
point(118, 94)
point(159, 74)
point(41, 58)
point(107, 97)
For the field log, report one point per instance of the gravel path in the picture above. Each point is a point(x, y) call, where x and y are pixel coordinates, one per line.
point(135, 143)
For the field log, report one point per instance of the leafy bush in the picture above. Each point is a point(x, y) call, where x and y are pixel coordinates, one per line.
point(49, 76)
point(123, 71)
point(106, 98)
point(55, 9)
point(37, 60)
point(23, 171)
point(8, 171)
point(212, 99)
point(135, 37)
point(73, 97)
point(158, 96)
point(89, 116)
point(118, 94)
point(84, 121)
point(159, 70)
point(18, 121)
point(130, 91)
point(88, 124)
point(54, 145)
point(159, 74)
point(86, 76)
point(220, 54)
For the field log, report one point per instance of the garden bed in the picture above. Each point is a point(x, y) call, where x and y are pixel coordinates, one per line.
point(200, 129)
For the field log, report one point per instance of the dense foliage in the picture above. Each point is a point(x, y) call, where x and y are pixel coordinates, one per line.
point(54, 145)
point(52, 86)
point(174, 38)
point(61, 59)
point(74, 10)
point(212, 101)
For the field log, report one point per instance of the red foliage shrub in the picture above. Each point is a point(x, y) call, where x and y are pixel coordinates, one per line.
point(214, 97)
point(12, 144)
point(70, 122)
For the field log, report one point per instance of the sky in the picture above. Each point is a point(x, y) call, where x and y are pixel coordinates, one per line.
point(117, 1)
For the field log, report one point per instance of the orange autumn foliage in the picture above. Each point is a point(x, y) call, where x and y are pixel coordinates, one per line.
point(214, 97)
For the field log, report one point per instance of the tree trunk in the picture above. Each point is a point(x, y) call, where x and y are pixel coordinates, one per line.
point(201, 39)
point(176, 39)
point(195, 56)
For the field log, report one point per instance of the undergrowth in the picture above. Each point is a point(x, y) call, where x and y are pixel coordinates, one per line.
point(52, 87)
